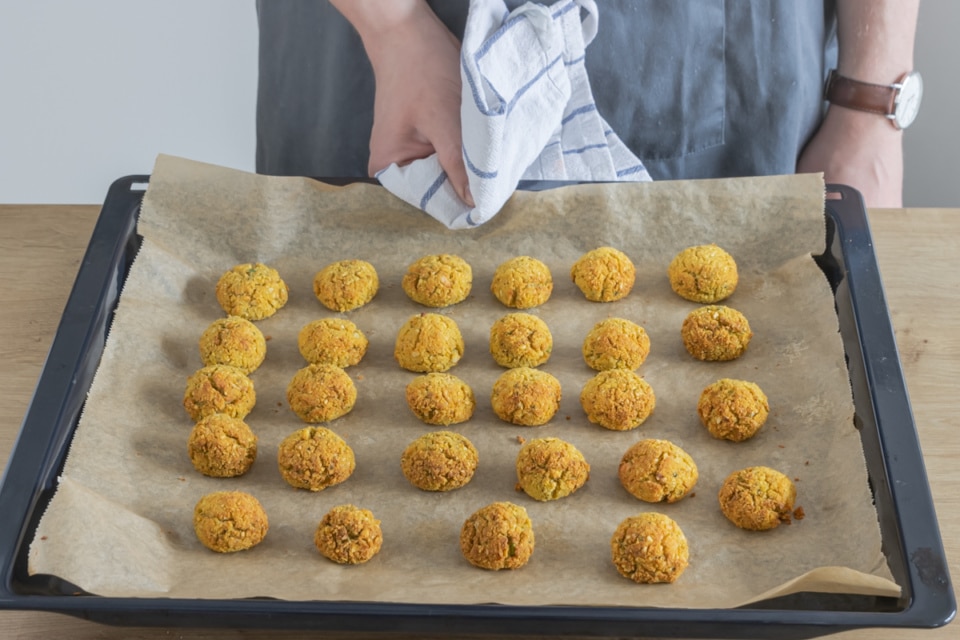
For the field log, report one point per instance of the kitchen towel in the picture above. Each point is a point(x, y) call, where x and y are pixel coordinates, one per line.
point(527, 113)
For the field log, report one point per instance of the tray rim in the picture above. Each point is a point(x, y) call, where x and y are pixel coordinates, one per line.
point(928, 594)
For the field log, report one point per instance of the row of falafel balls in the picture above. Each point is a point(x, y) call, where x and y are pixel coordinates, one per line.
point(646, 548)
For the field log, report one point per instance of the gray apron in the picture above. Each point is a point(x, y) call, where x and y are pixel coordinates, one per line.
point(695, 88)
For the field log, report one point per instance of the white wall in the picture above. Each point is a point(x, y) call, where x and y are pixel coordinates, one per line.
point(94, 90)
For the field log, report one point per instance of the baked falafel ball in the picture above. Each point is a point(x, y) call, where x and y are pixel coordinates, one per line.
point(219, 388)
point(234, 341)
point(520, 340)
point(440, 399)
point(522, 283)
point(657, 471)
point(650, 548)
point(716, 333)
point(321, 392)
point(617, 399)
point(704, 273)
point(428, 342)
point(222, 447)
point(733, 409)
point(252, 291)
point(525, 396)
point(757, 498)
point(348, 535)
point(604, 274)
point(335, 341)
point(439, 461)
point(228, 521)
point(497, 536)
point(616, 343)
point(551, 468)
point(346, 285)
point(315, 458)
point(438, 280)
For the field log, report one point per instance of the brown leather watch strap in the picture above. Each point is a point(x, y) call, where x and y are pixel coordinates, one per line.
point(854, 94)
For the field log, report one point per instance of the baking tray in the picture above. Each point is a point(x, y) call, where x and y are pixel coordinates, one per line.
point(908, 523)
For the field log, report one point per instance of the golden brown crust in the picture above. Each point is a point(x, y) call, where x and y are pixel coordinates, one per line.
point(520, 340)
point(757, 498)
point(348, 535)
point(228, 521)
point(604, 275)
point(550, 469)
point(346, 285)
point(315, 458)
point(650, 548)
point(335, 341)
point(440, 399)
point(428, 342)
point(321, 392)
point(219, 388)
point(522, 283)
point(616, 343)
point(498, 536)
point(657, 471)
point(439, 461)
point(703, 273)
point(617, 399)
point(252, 291)
point(222, 447)
point(716, 333)
point(438, 280)
point(233, 341)
point(525, 396)
point(733, 409)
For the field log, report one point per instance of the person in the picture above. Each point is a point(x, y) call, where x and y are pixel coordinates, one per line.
point(696, 89)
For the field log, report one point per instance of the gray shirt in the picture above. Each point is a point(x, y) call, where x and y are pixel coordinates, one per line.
point(695, 88)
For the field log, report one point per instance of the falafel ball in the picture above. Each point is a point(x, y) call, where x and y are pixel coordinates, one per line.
point(616, 343)
point(348, 535)
point(704, 273)
point(604, 274)
point(439, 461)
point(497, 536)
point(234, 341)
point(650, 548)
point(522, 283)
point(757, 498)
point(520, 340)
point(321, 392)
point(440, 399)
point(252, 291)
point(551, 468)
point(716, 333)
point(346, 285)
point(228, 521)
point(657, 471)
point(428, 342)
point(219, 388)
point(617, 399)
point(315, 458)
point(335, 341)
point(525, 396)
point(438, 280)
point(733, 409)
point(222, 447)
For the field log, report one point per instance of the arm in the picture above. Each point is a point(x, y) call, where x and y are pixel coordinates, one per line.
point(862, 149)
point(416, 64)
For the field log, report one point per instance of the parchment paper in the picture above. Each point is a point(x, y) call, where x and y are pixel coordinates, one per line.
point(120, 523)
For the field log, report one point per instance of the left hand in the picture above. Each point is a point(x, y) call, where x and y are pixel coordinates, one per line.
point(859, 149)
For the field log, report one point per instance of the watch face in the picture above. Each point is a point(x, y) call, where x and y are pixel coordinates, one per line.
point(908, 100)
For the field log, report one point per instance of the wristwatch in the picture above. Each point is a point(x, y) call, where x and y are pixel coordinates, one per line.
point(898, 102)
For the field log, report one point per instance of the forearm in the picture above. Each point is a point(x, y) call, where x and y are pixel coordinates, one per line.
point(373, 19)
point(876, 38)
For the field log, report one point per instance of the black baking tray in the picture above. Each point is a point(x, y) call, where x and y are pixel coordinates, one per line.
point(908, 523)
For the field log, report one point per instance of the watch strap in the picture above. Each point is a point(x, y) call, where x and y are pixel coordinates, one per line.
point(864, 96)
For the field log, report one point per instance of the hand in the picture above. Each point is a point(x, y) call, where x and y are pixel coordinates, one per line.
point(416, 62)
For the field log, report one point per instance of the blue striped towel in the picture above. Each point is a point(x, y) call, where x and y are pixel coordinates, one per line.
point(527, 113)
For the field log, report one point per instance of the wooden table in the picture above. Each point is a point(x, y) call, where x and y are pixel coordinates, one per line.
point(41, 248)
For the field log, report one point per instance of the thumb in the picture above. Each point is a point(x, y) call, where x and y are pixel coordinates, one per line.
point(450, 156)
